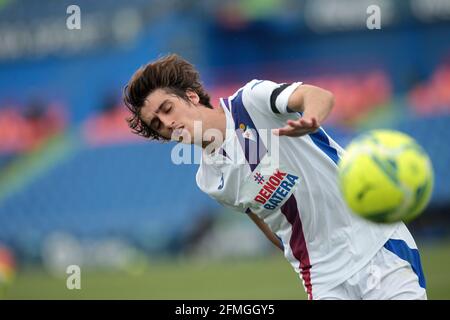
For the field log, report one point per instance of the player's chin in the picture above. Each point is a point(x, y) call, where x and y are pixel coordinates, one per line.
point(184, 141)
point(182, 136)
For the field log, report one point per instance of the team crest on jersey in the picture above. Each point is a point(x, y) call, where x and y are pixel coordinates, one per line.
point(275, 189)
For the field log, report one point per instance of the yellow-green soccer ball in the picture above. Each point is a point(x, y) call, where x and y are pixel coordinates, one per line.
point(385, 176)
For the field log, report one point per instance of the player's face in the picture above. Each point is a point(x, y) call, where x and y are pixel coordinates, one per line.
point(167, 113)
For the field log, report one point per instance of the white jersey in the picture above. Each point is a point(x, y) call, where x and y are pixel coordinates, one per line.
point(291, 183)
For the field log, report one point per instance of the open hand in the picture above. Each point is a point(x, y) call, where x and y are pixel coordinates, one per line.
point(297, 128)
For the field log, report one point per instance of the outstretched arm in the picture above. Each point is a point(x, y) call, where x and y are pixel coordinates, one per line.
point(314, 103)
point(265, 229)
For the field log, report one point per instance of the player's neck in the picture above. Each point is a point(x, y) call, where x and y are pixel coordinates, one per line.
point(214, 119)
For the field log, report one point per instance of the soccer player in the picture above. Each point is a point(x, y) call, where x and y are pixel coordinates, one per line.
point(276, 164)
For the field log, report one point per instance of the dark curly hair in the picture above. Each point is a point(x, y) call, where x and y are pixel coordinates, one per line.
point(171, 73)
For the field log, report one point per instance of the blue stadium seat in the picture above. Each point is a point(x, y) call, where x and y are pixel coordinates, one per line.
point(130, 189)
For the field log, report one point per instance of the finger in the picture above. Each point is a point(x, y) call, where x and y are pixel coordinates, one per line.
point(298, 124)
point(286, 131)
point(294, 133)
point(281, 131)
point(297, 132)
point(307, 122)
point(294, 123)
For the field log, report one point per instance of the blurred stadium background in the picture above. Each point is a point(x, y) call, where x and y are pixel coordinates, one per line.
point(77, 188)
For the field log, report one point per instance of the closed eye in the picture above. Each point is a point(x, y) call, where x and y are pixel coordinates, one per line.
point(165, 107)
point(155, 124)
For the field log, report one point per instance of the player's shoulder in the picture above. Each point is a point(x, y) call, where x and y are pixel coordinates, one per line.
point(256, 90)
point(267, 96)
point(252, 95)
point(244, 88)
point(255, 85)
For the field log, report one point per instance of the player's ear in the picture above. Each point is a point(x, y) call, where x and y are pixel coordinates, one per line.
point(193, 96)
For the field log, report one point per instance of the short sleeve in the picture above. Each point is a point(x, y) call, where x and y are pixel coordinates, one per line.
point(269, 96)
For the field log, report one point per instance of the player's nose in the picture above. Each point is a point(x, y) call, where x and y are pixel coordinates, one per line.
point(168, 122)
point(172, 125)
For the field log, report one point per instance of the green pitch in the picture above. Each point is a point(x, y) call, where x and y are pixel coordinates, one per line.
point(265, 278)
